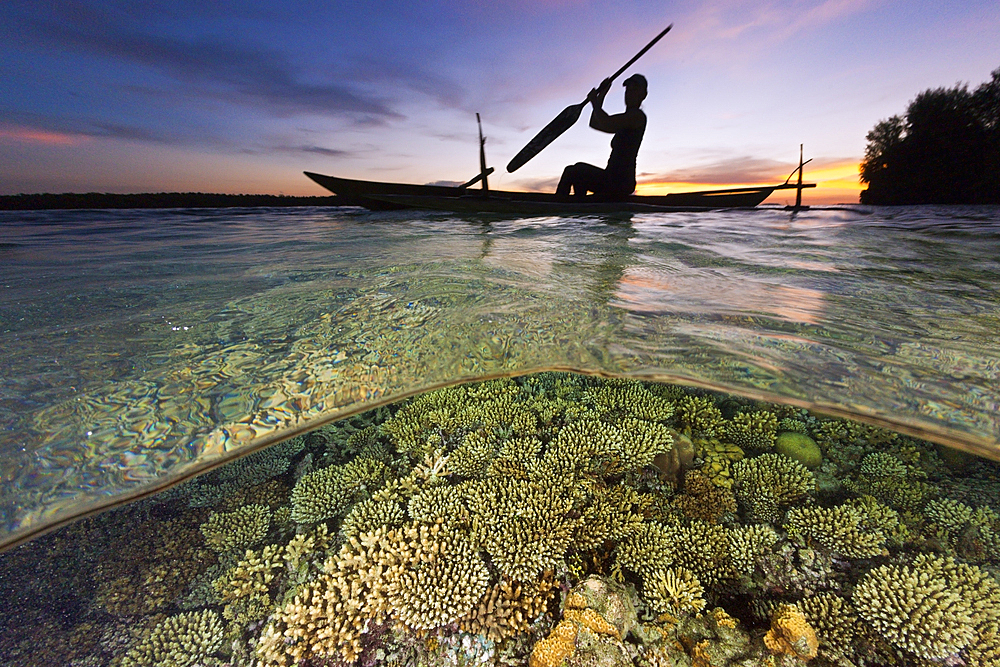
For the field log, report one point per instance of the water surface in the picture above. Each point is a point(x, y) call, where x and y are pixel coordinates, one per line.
point(142, 346)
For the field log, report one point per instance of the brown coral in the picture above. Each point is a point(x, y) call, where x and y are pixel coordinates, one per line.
point(790, 634)
point(703, 500)
point(508, 608)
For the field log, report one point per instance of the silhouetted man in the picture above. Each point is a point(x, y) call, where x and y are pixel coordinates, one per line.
point(618, 178)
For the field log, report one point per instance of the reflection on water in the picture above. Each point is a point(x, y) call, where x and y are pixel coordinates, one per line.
point(553, 519)
point(141, 346)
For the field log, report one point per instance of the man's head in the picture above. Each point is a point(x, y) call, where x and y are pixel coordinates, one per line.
point(635, 89)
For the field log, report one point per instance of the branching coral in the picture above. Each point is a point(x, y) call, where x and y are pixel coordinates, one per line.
point(950, 515)
point(436, 578)
point(608, 514)
point(620, 398)
point(371, 513)
point(769, 481)
point(927, 608)
point(525, 527)
point(891, 482)
point(747, 544)
point(835, 621)
point(642, 442)
point(235, 530)
point(752, 430)
point(589, 446)
point(842, 529)
point(699, 414)
point(421, 575)
point(180, 641)
point(704, 500)
point(508, 608)
point(473, 457)
point(330, 492)
point(674, 591)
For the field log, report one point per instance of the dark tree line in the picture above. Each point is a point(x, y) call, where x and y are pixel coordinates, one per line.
point(946, 150)
point(153, 200)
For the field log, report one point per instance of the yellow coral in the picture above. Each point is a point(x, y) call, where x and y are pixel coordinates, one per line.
point(590, 619)
point(791, 634)
point(555, 648)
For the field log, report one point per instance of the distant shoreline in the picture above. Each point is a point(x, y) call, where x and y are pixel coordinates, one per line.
point(70, 200)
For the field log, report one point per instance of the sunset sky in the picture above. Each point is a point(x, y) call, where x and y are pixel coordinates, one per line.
point(242, 96)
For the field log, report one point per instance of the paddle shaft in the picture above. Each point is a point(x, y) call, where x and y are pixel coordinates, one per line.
point(568, 117)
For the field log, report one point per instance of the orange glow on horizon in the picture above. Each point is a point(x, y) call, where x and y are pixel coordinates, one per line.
point(34, 136)
point(836, 183)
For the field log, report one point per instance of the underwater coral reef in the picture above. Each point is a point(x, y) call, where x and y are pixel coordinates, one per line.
point(551, 520)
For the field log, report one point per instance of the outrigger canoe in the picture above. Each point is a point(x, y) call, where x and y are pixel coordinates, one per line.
point(459, 199)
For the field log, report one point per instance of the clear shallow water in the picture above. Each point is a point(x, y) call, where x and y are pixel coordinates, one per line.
point(142, 346)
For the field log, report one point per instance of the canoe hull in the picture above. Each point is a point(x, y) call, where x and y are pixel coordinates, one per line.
point(386, 196)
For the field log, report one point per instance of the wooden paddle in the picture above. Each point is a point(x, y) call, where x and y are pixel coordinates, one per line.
point(568, 117)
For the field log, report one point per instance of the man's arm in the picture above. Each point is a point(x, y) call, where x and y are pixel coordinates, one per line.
point(599, 118)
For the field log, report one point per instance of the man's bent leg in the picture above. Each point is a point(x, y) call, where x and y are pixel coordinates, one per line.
point(582, 177)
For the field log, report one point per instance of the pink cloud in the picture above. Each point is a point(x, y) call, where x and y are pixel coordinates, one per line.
point(35, 136)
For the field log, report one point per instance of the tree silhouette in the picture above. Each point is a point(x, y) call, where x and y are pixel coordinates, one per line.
point(945, 151)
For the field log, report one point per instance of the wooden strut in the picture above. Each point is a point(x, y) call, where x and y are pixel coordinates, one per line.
point(483, 170)
point(798, 186)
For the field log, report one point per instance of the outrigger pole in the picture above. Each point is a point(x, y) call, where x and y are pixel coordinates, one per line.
point(483, 171)
point(798, 188)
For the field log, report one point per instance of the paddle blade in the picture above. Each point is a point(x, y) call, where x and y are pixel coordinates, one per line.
point(560, 124)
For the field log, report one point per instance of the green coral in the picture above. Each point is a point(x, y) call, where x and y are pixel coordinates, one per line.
point(792, 425)
point(799, 447)
point(233, 530)
point(949, 514)
point(186, 639)
point(330, 492)
point(891, 482)
point(441, 502)
point(881, 464)
point(842, 529)
point(473, 457)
